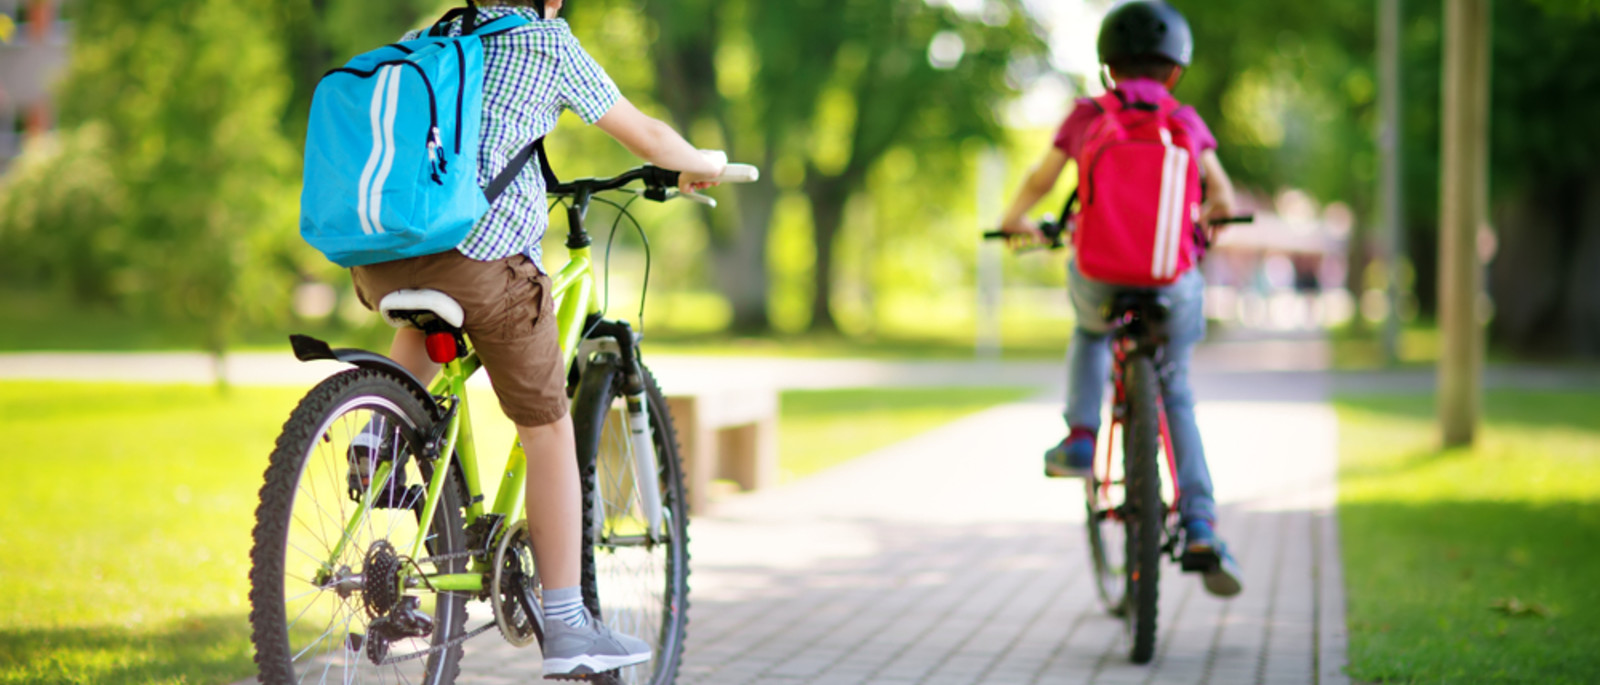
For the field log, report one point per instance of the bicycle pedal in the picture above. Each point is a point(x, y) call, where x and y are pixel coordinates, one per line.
point(1199, 561)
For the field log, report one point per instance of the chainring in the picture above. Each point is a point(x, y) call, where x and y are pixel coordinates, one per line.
point(380, 573)
point(516, 608)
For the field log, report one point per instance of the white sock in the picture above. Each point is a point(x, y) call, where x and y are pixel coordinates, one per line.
point(566, 604)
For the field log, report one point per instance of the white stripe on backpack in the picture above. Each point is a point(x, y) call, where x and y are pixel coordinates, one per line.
point(1169, 211)
point(364, 188)
point(391, 107)
point(1175, 234)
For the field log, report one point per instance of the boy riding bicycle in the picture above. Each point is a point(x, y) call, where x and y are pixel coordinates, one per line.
point(532, 73)
point(1144, 47)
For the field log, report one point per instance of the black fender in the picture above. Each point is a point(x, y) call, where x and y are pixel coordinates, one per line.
point(307, 348)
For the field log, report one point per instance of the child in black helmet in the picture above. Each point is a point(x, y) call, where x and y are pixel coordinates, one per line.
point(1144, 47)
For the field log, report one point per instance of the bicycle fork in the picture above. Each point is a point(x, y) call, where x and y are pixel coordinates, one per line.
point(618, 339)
point(644, 459)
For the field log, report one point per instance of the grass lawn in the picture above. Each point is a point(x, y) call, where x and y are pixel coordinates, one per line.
point(822, 428)
point(128, 509)
point(126, 529)
point(1473, 565)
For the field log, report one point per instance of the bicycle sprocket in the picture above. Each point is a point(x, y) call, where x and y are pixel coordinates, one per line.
point(380, 573)
point(516, 607)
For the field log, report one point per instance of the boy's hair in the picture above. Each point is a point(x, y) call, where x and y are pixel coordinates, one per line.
point(1149, 66)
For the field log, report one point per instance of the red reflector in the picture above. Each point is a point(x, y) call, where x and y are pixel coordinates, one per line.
point(441, 347)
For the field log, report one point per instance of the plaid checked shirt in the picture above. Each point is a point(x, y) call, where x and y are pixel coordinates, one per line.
point(531, 74)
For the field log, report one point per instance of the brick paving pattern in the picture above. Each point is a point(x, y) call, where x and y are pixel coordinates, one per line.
point(948, 559)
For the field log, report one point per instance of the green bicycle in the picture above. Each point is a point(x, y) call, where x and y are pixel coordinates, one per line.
point(369, 579)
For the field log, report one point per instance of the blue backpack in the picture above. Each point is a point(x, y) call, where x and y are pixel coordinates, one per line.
point(391, 167)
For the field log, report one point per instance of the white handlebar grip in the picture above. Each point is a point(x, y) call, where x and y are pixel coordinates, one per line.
point(739, 173)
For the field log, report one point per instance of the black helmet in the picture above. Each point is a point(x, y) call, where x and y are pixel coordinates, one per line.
point(1145, 28)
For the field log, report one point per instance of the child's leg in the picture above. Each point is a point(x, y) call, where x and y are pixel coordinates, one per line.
point(1089, 357)
point(555, 508)
point(1088, 371)
point(1194, 477)
point(1186, 326)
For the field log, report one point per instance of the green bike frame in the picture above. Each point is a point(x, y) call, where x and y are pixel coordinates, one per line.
point(573, 292)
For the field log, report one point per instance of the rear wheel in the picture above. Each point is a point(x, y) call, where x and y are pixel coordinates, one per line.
point(1144, 511)
point(329, 602)
point(635, 577)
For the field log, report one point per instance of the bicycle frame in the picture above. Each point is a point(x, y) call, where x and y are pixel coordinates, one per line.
point(1122, 348)
point(572, 290)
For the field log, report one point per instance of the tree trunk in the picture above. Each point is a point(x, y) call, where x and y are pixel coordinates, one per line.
point(741, 261)
point(1529, 270)
point(828, 197)
point(686, 78)
point(1582, 307)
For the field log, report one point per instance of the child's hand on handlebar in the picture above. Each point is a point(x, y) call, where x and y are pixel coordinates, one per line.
point(1023, 233)
point(1214, 215)
point(691, 181)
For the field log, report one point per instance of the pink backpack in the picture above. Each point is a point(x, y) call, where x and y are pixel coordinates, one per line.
point(1139, 192)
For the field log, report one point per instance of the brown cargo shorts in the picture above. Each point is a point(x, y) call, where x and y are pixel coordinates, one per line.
point(510, 319)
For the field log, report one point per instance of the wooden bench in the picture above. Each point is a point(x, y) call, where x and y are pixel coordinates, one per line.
point(726, 433)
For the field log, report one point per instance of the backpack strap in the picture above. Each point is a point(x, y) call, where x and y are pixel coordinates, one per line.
point(497, 26)
point(468, 16)
point(503, 180)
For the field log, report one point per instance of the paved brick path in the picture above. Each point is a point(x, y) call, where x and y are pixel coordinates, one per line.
point(948, 559)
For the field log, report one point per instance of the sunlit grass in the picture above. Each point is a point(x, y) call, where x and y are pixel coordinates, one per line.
point(1473, 565)
point(824, 428)
point(126, 529)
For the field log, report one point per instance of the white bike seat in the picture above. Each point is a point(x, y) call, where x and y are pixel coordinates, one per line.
point(412, 308)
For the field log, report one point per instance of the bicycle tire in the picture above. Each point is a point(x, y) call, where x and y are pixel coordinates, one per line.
point(306, 500)
point(1144, 511)
point(636, 588)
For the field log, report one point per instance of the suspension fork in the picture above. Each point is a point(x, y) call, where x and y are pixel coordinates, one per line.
point(632, 384)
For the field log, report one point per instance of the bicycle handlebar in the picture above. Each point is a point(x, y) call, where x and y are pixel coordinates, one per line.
point(1053, 230)
point(657, 182)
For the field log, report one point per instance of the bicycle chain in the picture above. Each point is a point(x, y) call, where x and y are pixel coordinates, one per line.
point(439, 647)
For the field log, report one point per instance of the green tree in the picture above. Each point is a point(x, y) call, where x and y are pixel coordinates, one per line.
point(186, 99)
point(818, 93)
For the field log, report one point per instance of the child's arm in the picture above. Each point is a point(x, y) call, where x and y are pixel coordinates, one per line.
point(1220, 201)
point(654, 141)
point(1041, 178)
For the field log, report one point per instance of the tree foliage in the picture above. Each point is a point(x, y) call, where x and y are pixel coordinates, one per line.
point(819, 92)
point(172, 110)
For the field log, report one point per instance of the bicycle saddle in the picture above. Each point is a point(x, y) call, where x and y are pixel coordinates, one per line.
point(420, 309)
point(1142, 313)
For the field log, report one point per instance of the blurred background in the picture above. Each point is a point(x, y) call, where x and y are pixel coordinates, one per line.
point(150, 152)
point(150, 164)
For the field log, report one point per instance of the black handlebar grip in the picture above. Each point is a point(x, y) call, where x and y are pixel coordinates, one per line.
point(1241, 219)
point(994, 235)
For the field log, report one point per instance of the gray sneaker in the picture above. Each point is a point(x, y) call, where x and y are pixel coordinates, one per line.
point(591, 649)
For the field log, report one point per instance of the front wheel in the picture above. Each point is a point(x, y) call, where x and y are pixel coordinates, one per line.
point(329, 597)
point(635, 574)
point(1107, 542)
point(1144, 512)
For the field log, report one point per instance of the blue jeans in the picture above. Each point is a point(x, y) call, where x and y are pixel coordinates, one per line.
point(1089, 369)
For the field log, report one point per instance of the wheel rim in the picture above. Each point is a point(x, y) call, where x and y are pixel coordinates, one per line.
point(1108, 545)
point(635, 578)
point(321, 618)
